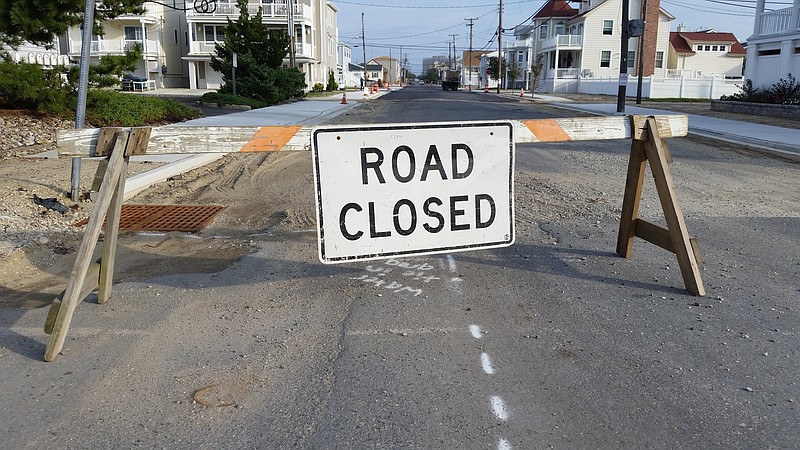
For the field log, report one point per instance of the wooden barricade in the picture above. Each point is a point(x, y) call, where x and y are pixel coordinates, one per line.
point(648, 145)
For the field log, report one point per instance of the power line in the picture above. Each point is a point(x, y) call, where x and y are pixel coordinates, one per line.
point(423, 7)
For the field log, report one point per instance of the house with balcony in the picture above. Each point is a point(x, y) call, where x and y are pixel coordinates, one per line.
point(773, 51)
point(705, 53)
point(584, 42)
point(314, 30)
point(161, 63)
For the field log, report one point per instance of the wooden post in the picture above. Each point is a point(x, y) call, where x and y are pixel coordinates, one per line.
point(648, 146)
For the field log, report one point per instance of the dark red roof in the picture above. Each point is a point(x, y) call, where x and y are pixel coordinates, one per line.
point(556, 8)
point(680, 41)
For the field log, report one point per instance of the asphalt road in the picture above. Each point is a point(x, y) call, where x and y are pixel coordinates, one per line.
point(552, 342)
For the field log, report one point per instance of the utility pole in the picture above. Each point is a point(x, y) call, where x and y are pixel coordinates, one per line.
point(449, 58)
point(290, 24)
point(623, 58)
point(364, 48)
point(471, 23)
point(641, 53)
point(500, 48)
point(455, 55)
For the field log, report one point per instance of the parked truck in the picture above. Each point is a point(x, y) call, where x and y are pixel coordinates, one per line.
point(450, 79)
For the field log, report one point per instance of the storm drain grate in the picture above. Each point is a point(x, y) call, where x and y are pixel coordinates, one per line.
point(187, 218)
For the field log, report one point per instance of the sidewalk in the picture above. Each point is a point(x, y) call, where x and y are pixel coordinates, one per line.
point(781, 140)
point(310, 111)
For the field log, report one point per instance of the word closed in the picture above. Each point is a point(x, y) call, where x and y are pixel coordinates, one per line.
point(412, 189)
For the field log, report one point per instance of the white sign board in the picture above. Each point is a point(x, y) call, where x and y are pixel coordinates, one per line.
point(411, 189)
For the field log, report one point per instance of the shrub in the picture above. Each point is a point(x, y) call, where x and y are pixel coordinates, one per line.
point(230, 99)
point(110, 108)
point(332, 84)
point(318, 87)
point(785, 91)
point(28, 86)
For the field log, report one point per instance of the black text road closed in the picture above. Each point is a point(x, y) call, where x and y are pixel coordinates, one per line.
point(411, 189)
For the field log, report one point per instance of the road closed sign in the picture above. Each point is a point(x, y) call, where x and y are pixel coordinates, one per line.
point(411, 189)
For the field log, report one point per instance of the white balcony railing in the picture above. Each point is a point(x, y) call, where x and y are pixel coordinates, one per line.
point(565, 41)
point(117, 46)
point(567, 73)
point(778, 21)
point(523, 43)
point(208, 48)
point(268, 10)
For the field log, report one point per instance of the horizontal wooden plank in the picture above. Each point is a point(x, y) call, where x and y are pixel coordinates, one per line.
point(660, 237)
point(185, 140)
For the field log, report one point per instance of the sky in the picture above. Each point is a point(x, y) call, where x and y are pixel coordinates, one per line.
point(424, 28)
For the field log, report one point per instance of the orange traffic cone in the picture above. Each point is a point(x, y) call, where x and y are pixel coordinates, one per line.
point(486, 88)
point(522, 93)
point(344, 98)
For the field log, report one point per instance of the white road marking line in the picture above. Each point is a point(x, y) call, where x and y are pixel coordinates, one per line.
point(499, 408)
point(503, 445)
point(451, 263)
point(475, 330)
point(487, 364)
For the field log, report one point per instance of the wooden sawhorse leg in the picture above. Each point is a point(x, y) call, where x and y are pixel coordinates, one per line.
point(647, 146)
point(108, 206)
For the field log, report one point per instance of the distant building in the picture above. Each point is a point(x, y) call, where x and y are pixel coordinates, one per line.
point(392, 66)
point(704, 53)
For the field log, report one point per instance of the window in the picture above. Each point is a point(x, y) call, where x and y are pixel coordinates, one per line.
point(176, 35)
point(608, 27)
point(214, 33)
point(715, 48)
point(559, 28)
point(543, 30)
point(707, 48)
point(659, 60)
point(605, 58)
point(722, 48)
point(699, 48)
point(631, 59)
point(133, 34)
point(521, 56)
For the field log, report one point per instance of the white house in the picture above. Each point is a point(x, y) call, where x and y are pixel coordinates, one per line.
point(773, 51)
point(392, 72)
point(177, 45)
point(314, 28)
point(471, 75)
point(160, 32)
point(484, 79)
point(580, 51)
point(704, 53)
point(585, 42)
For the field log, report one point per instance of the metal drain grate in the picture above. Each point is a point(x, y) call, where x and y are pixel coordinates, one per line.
point(187, 218)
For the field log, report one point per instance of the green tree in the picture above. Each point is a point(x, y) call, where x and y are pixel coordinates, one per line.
point(259, 53)
point(332, 84)
point(109, 70)
point(513, 70)
point(40, 21)
point(432, 74)
point(494, 68)
point(536, 70)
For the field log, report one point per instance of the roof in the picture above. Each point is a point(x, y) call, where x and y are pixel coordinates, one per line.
point(555, 8)
point(681, 41)
point(475, 60)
